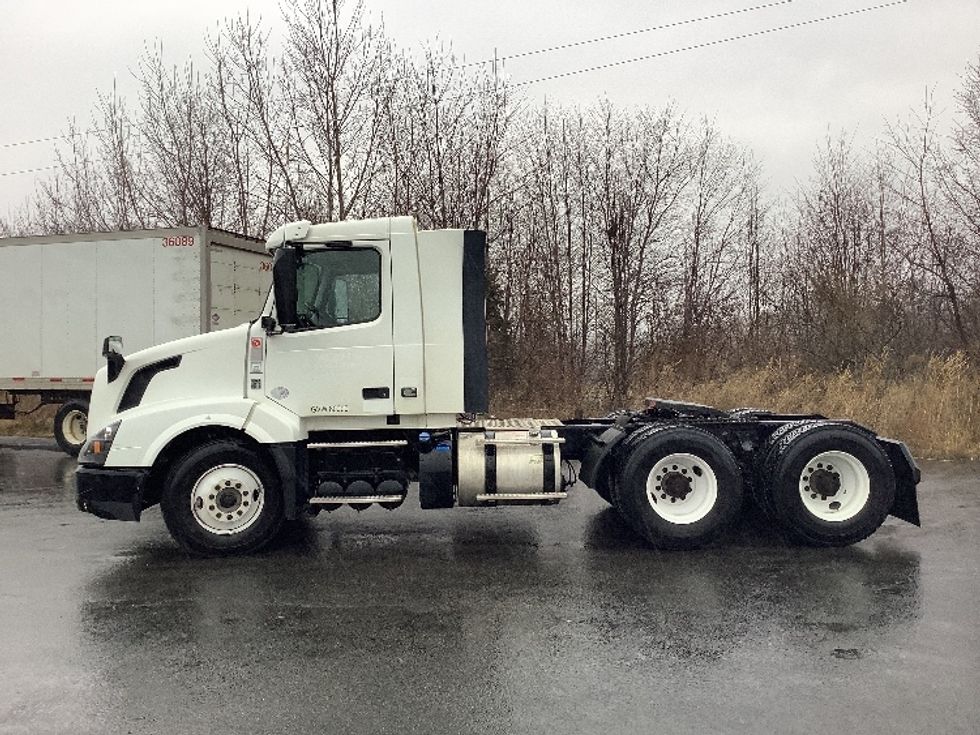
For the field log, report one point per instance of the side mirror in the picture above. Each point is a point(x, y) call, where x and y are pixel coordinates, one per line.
point(112, 348)
point(112, 345)
point(284, 285)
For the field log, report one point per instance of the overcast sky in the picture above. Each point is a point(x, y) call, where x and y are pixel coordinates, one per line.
point(777, 93)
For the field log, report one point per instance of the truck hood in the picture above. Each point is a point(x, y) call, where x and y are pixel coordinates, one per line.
point(207, 365)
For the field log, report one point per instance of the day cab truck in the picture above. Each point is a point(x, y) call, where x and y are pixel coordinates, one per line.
point(366, 373)
point(60, 293)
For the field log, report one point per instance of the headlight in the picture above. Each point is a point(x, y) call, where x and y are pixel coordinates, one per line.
point(97, 448)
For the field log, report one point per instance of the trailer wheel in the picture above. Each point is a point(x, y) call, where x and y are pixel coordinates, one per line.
point(681, 488)
point(828, 484)
point(222, 499)
point(71, 426)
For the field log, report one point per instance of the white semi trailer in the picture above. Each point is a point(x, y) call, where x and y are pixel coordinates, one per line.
point(58, 294)
point(366, 371)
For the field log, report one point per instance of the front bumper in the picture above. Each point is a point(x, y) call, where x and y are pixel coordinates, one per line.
point(109, 492)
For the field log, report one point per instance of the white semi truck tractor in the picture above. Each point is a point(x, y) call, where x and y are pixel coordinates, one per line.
point(366, 373)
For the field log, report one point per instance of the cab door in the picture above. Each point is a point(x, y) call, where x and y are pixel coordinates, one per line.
point(340, 359)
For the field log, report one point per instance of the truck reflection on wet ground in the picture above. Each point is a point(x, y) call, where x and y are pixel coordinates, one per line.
point(511, 620)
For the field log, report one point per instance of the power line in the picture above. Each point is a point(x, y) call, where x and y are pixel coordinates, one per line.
point(706, 44)
point(624, 34)
point(646, 57)
point(43, 140)
point(30, 170)
point(63, 136)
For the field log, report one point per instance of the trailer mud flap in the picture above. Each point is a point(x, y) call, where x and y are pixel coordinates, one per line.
point(907, 476)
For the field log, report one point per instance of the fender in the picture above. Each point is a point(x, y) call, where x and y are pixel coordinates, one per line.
point(282, 433)
point(597, 451)
point(146, 430)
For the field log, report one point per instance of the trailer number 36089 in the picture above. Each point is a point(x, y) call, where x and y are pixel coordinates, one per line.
point(179, 241)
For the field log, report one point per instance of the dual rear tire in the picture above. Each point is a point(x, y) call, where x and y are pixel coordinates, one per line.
point(818, 483)
point(825, 484)
point(679, 487)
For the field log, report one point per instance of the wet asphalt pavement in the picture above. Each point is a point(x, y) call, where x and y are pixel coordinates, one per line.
point(521, 620)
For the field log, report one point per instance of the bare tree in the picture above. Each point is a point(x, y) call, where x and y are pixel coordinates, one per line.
point(642, 170)
point(932, 241)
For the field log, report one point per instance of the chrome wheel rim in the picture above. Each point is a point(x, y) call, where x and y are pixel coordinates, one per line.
point(835, 486)
point(227, 499)
point(682, 488)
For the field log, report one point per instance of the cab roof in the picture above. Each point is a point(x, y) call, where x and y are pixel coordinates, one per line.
point(304, 231)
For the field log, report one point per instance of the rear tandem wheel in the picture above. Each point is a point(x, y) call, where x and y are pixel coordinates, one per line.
point(680, 487)
point(826, 484)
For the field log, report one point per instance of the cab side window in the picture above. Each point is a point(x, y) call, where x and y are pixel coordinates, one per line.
point(335, 288)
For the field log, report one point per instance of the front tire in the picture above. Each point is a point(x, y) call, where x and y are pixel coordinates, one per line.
point(680, 488)
point(71, 426)
point(222, 499)
point(828, 484)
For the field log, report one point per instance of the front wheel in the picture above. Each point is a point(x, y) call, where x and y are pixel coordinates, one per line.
point(222, 499)
point(680, 488)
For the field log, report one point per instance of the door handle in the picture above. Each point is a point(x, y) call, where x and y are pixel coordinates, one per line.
point(381, 392)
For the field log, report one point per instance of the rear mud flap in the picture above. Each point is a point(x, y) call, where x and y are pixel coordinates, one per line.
point(907, 476)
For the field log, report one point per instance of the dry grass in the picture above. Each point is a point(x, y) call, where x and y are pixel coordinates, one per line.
point(38, 421)
point(932, 404)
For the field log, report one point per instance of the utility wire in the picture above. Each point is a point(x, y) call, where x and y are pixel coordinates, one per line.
point(707, 44)
point(571, 44)
point(625, 34)
point(646, 57)
point(63, 136)
point(30, 170)
point(44, 140)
